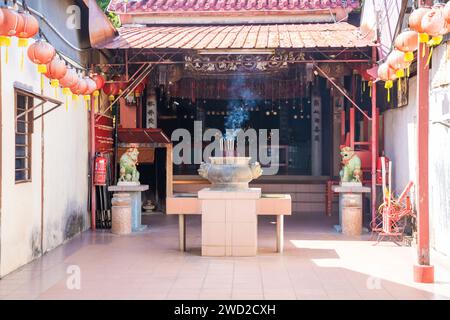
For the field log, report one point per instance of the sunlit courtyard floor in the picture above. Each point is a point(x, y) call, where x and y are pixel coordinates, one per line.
point(318, 263)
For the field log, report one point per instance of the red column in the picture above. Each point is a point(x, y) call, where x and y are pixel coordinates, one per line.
point(92, 157)
point(423, 271)
point(374, 154)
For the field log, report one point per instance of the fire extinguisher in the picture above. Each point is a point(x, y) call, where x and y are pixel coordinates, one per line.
point(100, 170)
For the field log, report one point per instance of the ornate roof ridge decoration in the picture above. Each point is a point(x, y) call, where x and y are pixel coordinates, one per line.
point(237, 6)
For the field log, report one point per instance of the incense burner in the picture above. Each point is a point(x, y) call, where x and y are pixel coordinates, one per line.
point(230, 172)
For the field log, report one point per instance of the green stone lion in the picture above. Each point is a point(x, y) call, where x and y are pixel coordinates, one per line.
point(351, 165)
point(128, 162)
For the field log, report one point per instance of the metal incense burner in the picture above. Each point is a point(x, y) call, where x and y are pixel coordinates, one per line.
point(229, 172)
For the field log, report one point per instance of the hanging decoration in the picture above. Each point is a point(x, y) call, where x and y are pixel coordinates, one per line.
point(111, 89)
point(66, 82)
point(91, 88)
point(139, 89)
point(387, 74)
point(122, 82)
point(396, 61)
point(433, 24)
point(100, 82)
point(29, 30)
point(415, 24)
point(41, 53)
point(56, 70)
point(407, 42)
point(11, 22)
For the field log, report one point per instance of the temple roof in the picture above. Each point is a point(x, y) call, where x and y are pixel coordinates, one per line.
point(226, 6)
point(325, 35)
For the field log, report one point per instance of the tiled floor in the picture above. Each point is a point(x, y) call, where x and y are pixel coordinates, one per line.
point(317, 264)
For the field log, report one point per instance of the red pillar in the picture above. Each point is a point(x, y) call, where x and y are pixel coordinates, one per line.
point(423, 271)
point(92, 138)
point(374, 146)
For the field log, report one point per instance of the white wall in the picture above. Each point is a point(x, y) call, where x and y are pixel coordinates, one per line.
point(400, 146)
point(65, 142)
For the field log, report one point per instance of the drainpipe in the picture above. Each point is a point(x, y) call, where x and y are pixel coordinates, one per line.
point(423, 271)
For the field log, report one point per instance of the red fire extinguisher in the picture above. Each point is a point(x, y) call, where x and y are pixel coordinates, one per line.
point(100, 170)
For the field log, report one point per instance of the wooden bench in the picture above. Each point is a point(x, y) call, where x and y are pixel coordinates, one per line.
point(184, 204)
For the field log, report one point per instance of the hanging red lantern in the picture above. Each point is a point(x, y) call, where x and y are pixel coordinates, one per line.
point(29, 30)
point(80, 88)
point(69, 79)
point(433, 22)
point(41, 53)
point(139, 89)
point(387, 74)
point(121, 82)
point(408, 42)
point(111, 89)
point(396, 60)
point(99, 80)
point(415, 19)
point(12, 22)
point(56, 69)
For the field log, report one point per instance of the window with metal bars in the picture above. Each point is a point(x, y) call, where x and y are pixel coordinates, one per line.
point(24, 129)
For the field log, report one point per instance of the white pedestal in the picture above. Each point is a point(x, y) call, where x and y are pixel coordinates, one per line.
point(350, 208)
point(229, 222)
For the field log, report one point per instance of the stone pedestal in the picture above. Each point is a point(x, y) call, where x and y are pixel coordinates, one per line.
point(350, 207)
point(229, 222)
point(136, 202)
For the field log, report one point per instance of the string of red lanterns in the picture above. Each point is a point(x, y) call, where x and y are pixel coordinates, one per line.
point(426, 25)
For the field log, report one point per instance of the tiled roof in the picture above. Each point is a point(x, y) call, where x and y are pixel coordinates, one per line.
point(167, 6)
point(333, 35)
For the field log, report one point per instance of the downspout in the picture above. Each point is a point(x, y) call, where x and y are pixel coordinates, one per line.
point(92, 157)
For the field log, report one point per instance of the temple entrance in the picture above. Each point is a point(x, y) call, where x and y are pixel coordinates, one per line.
point(295, 102)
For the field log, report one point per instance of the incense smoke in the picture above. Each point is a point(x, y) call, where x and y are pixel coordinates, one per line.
point(238, 111)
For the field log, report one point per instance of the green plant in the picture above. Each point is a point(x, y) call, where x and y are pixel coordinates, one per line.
point(114, 18)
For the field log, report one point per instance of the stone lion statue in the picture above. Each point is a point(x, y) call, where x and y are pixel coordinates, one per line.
point(351, 165)
point(128, 162)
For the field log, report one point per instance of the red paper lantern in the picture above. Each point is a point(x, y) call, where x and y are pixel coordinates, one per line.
point(56, 69)
point(69, 79)
point(91, 86)
point(121, 81)
point(396, 60)
point(80, 87)
point(41, 52)
point(99, 80)
point(111, 88)
point(433, 22)
point(12, 22)
point(407, 41)
point(139, 89)
point(415, 19)
point(386, 73)
point(30, 26)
